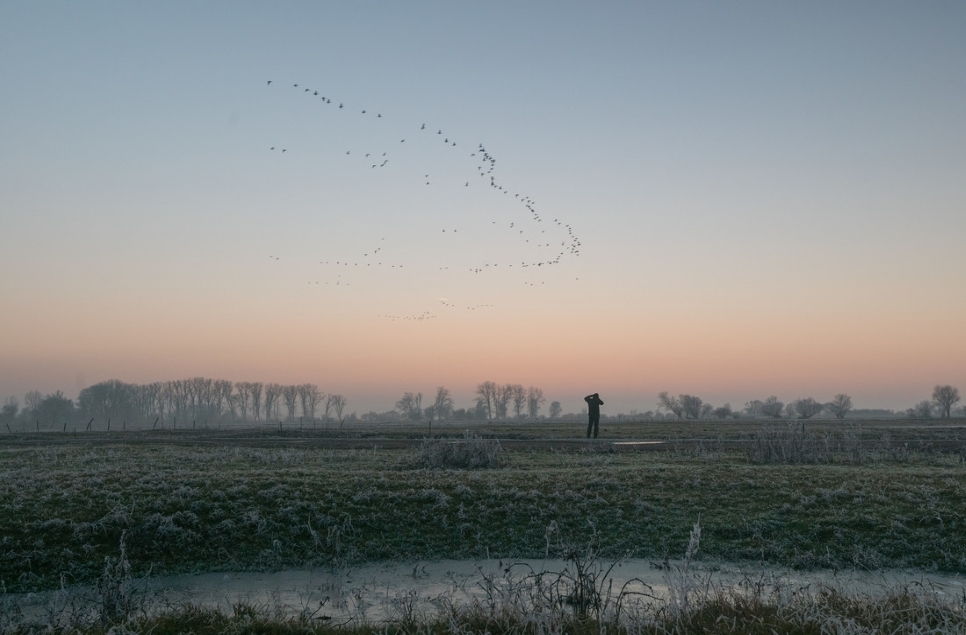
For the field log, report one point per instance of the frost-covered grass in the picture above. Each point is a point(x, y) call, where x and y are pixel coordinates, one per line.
point(192, 508)
point(580, 599)
point(810, 612)
point(472, 452)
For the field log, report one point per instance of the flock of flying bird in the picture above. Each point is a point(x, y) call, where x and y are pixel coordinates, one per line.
point(486, 170)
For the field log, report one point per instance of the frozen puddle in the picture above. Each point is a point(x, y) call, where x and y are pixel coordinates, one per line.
point(379, 592)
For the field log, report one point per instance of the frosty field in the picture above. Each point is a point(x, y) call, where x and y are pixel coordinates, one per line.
point(882, 497)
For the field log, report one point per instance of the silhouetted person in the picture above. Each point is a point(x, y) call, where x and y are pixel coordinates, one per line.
point(593, 410)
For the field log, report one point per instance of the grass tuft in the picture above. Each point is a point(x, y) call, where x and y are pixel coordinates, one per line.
point(472, 452)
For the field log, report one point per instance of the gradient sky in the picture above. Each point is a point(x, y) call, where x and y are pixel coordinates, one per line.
point(769, 198)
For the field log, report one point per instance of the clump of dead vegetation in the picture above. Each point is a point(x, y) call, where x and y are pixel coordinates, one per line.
point(795, 444)
point(472, 452)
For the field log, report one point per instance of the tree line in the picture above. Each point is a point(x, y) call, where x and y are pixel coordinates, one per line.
point(202, 401)
point(944, 397)
point(190, 401)
point(493, 401)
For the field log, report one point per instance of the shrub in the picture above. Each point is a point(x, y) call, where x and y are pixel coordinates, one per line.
point(791, 445)
point(469, 453)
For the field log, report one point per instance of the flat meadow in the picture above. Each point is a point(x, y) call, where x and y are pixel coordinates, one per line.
point(820, 495)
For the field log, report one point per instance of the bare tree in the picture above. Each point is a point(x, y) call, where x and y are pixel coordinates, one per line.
point(723, 412)
point(807, 408)
point(181, 395)
point(670, 403)
point(519, 397)
point(691, 406)
point(168, 398)
point(945, 398)
point(502, 401)
point(311, 398)
point(772, 407)
point(753, 408)
point(443, 405)
point(200, 392)
point(243, 396)
point(555, 409)
point(534, 400)
point(411, 405)
point(303, 391)
point(32, 400)
point(840, 405)
point(222, 398)
point(338, 404)
point(256, 389)
point(330, 402)
point(144, 400)
point(9, 411)
point(290, 394)
point(273, 392)
point(922, 410)
point(487, 392)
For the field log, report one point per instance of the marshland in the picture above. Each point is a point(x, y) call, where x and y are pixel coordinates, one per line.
point(103, 514)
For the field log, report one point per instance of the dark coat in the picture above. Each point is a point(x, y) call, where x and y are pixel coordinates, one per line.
point(593, 403)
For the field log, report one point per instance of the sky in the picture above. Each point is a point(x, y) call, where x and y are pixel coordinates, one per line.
point(730, 200)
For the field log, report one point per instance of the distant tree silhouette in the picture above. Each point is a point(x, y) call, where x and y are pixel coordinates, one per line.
point(442, 406)
point(945, 397)
point(555, 409)
point(922, 410)
point(310, 396)
point(273, 393)
point(753, 408)
point(487, 394)
point(338, 404)
point(504, 394)
point(410, 405)
point(534, 399)
point(290, 394)
point(772, 407)
point(671, 404)
point(53, 409)
point(840, 405)
point(256, 388)
point(691, 406)
point(519, 397)
point(807, 408)
point(8, 414)
point(723, 412)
